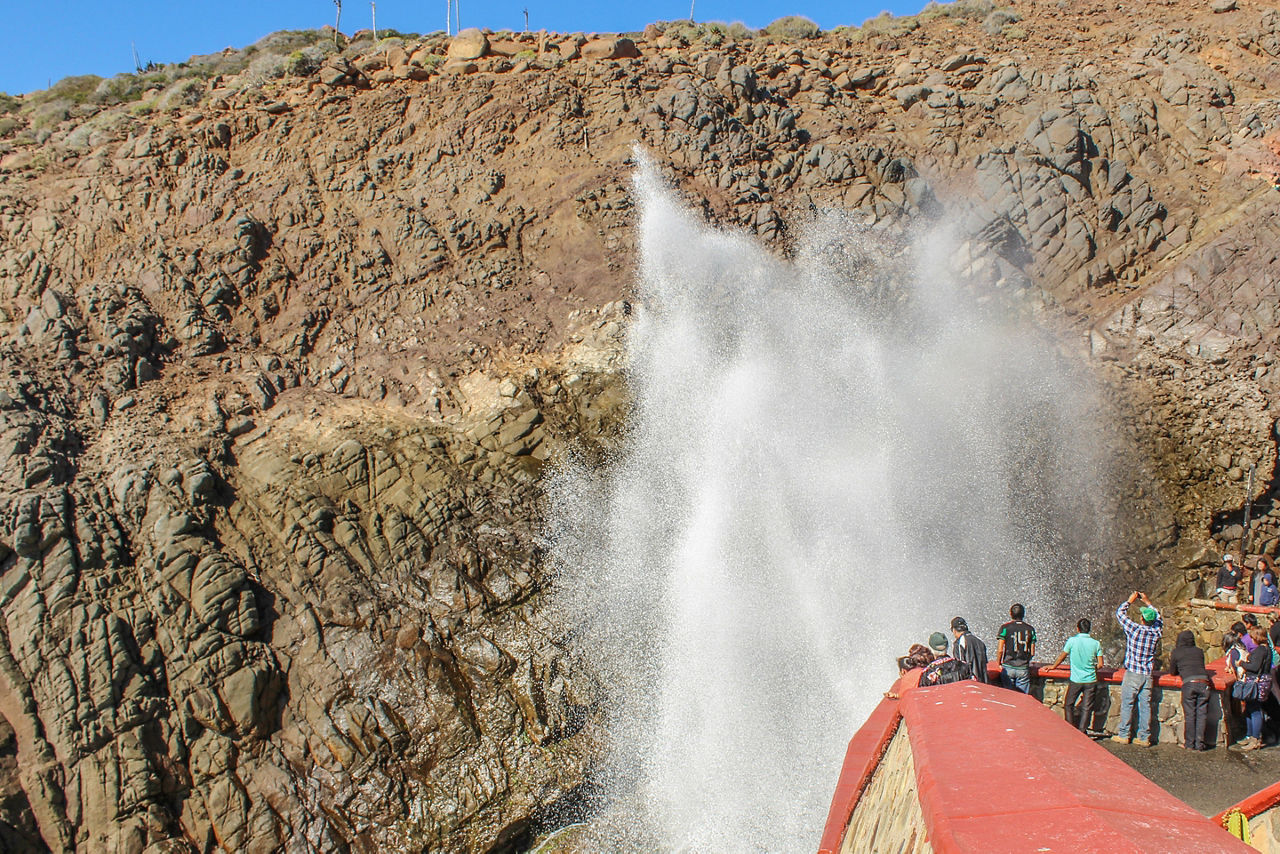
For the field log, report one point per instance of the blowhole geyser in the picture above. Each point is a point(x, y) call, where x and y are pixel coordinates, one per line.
point(827, 459)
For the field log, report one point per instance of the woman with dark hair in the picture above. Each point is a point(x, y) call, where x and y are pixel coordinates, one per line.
point(1256, 669)
point(910, 666)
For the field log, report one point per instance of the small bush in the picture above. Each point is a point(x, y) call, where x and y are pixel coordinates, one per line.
point(995, 22)
point(8, 103)
point(184, 93)
point(8, 125)
point(973, 10)
point(793, 27)
point(1014, 32)
point(885, 24)
point(739, 31)
point(300, 64)
point(689, 32)
point(74, 89)
point(396, 34)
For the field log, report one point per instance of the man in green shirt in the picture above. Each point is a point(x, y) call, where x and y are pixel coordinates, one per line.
point(1086, 658)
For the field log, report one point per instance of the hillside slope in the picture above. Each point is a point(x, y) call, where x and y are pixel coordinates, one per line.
point(287, 338)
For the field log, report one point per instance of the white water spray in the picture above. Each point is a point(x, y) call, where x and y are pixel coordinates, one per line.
point(827, 460)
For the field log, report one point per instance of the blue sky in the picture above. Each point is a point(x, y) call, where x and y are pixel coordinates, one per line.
point(46, 41)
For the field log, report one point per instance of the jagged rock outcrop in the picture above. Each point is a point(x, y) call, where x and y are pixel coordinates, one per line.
point(286, 346)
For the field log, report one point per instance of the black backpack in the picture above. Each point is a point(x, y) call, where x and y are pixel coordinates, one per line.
point(945, 671)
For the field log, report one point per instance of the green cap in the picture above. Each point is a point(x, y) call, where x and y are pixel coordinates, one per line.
point(938, 642)
point(1149, 614)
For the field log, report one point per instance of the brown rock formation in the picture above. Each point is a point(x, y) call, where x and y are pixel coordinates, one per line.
point(285, 351)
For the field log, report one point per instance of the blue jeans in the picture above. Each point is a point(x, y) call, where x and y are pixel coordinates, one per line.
point(1253, 718)
point(1016, 678)
point(1135, 687)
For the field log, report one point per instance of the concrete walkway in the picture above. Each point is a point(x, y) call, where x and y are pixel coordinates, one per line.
point(1210, 781)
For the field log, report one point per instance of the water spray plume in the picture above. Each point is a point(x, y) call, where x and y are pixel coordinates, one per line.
point(826, 460)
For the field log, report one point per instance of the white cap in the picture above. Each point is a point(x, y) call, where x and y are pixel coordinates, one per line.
point(1227, 559)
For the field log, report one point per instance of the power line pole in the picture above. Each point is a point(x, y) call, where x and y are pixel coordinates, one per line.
point(1248, 512)
point(526, 19)
point(373, 17)
point(337, 24)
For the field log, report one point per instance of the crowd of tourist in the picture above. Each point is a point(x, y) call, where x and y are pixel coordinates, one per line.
point(1249, 650)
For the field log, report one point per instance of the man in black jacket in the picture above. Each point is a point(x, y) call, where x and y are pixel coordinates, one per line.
point(969, 649)
point(1187, 661)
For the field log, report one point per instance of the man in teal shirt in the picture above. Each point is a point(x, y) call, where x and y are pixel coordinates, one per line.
point(1086, 658)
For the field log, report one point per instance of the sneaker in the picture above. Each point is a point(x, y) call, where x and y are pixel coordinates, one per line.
point(1142, 742)
point(1121, 739)
point(1253, 744)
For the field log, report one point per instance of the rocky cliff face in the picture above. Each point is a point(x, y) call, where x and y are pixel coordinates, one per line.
point(286, 345)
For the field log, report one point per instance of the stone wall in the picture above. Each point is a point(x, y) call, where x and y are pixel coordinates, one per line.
point(1265, 830)
point(1208, 622)
point(888, 817)
point(1166, 720)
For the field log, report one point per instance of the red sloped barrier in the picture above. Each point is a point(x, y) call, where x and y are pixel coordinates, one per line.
point(1256, 804)
point(997, 771)
point(860, 760)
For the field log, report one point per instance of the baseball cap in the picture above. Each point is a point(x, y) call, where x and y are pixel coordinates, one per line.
point(938, 642)
point(959, 625)
point(1227, 559)
point(1149, 614)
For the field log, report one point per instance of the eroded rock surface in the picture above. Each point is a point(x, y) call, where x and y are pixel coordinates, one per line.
point(283, 357)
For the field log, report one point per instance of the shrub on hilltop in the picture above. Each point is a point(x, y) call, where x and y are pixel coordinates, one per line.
point(711, 33)
point(793, 27)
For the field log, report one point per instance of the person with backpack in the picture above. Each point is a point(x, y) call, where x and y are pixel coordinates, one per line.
point(1141, 637)
point(1187, 661)
point(1086, 657)
point(1015, 647)
point(969, 649)
point(944, 669)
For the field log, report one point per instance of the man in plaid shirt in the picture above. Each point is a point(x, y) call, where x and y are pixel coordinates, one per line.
point(1140, 639)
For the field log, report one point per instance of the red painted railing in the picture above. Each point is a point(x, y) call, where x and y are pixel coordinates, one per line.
point(1220, 676)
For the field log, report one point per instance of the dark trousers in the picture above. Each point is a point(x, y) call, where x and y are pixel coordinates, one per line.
point(1195, 713)
point(1083, 691)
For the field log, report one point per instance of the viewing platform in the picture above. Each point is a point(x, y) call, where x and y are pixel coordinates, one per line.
point(968, 767)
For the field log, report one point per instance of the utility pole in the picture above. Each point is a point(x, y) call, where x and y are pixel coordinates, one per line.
point(526, 19)
point(448, 17)
point(373, 19)
point(137, 63)
point(692, 3)
point(1248, 513)
point(457, 16)
point(337, 25)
